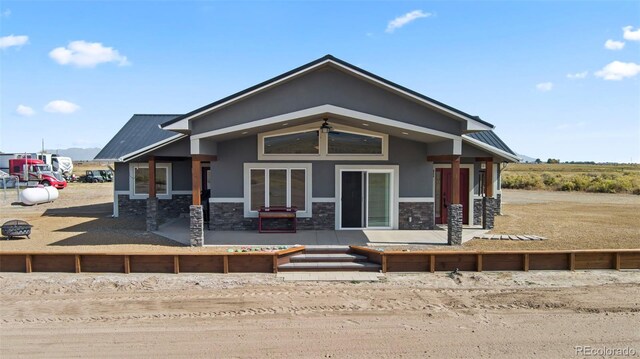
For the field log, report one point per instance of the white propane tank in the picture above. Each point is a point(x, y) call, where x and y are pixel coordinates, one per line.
point(36, 195)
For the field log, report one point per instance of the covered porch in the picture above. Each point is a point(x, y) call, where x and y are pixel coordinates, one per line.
point(177, 230)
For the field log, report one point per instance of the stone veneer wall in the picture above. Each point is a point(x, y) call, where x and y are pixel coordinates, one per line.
point(498, 204)
point(167, 208)
point(477, 211)
point(324, 217)
point(454, 224)
point(230, 217)
point(416, 215)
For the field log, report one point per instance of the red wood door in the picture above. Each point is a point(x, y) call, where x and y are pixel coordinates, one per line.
point(444, 191)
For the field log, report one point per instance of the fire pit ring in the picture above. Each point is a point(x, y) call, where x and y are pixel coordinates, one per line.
point(16, 228)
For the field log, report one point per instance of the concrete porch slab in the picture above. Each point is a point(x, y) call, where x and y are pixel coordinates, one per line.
point(178, 230)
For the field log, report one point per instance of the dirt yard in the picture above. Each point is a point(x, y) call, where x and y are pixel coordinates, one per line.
point(81, 220)
point(496, 315)
point(499, 314)
point(570, 220)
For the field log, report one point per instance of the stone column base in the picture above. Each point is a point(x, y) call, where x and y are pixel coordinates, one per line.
point(488, 212)
point(196, 226)
point(454, 224)
point(152, 214)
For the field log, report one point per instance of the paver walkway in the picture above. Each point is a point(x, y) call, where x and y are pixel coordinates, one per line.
point(331, 276)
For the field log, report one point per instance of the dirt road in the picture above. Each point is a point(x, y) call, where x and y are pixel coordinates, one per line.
point(536, 314)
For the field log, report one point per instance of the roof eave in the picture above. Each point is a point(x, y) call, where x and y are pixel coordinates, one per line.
point(491, 149)
point(130, 156)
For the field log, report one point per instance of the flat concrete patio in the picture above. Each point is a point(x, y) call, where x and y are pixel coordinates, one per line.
point(178, 230)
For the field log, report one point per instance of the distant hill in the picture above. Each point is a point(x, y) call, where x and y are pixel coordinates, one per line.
point(78, 154)
point(526, 158)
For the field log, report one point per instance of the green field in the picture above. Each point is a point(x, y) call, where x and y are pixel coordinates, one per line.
point(609, 178)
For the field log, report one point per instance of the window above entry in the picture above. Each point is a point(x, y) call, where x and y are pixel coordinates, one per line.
point(306, 142)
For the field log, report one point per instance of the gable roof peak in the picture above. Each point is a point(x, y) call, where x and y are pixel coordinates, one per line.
point(340, 63)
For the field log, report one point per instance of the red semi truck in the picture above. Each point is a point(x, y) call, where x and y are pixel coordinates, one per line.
point(36, 170)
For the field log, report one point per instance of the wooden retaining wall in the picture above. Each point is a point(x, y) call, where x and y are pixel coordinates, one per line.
point(254, 262)
point(432, 261)
point(261, 262)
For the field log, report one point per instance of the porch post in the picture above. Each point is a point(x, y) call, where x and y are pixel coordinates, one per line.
point(152, 200)
point(454, 209)
point(488, 202)
point(196, 223)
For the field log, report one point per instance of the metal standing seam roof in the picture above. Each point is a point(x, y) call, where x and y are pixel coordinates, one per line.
point(491, 139)
point(139, 132)
point(313, 63)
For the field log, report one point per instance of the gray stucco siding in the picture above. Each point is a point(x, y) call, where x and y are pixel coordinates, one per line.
point(326, 86)
point(181, 175)
point(416, 174)
point(121, 181)
point(180, 148)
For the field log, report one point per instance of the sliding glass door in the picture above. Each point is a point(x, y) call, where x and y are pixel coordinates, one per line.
point(378, 199)
point(366, 199)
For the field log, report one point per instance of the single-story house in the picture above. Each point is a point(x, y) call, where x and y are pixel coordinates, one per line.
point(349, 149)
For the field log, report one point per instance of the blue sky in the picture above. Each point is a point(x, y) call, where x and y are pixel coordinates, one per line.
point(557, 79)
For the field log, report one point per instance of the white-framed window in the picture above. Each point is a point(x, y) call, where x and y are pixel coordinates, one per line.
point(306, 142)
point(139, 180)
point(277, 184)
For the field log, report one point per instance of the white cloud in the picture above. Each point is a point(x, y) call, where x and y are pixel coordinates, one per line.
point(614, 45)
point(11, 40)
point(5, 13)
point(87, 54)
point(619, 70)
point(578, 75)
point(23, 110)
point(401, 21)
point(61, 106)
point(544, 86)
point(630, 34)
point(565, 126)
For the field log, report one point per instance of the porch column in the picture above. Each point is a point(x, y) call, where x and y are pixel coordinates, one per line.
point(196, 222)
point(488, 202)
point(454, 210)
point(152, 200)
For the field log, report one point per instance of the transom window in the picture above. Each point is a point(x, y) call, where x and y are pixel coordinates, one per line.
point(354, 143)
point(306, 142)
point(277, 184)
point(293, 143)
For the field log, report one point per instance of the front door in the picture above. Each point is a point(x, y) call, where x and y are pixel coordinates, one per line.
point(352, 199)
point(366, 199)
point(443, 187)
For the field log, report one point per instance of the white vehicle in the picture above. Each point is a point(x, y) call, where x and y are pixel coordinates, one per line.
point(63, 165)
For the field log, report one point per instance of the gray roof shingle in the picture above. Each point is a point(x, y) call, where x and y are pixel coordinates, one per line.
point(139, 132)
point(491, 139)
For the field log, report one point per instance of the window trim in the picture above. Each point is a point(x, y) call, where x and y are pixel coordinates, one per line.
point(248, 213)
point(132, 180)
point(323, 142)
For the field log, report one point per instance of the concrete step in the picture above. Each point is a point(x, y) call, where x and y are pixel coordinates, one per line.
point(327, 257)
point(329, 266)
point(320, 249)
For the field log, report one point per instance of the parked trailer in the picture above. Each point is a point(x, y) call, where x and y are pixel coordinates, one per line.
point(5, 157)
point(61, 164)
